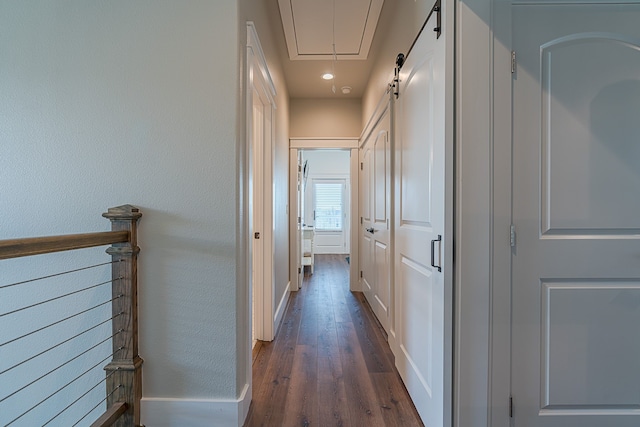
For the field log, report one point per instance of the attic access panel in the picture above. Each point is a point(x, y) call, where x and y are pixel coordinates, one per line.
point(309, 27)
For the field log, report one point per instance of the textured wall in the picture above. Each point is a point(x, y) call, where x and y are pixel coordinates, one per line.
point(325, 118)
point(268, 27)
point(106, 103)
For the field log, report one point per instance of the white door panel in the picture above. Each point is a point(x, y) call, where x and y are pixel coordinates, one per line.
point(419, 219)
point(381, 209)
point(576, 205)
point(376, 209)
point(381, 257)
point(368, 278)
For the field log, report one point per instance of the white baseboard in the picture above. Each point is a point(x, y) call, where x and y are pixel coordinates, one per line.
point(174, 412)
point(282, 306)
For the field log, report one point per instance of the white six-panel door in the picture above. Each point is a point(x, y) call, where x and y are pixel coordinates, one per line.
point(576, 208)
point(419, 220)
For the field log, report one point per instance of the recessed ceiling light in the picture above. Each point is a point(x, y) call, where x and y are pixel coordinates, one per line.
point(327, 76)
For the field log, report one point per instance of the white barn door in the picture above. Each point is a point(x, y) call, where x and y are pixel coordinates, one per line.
point(419, 227)
point(576, 209)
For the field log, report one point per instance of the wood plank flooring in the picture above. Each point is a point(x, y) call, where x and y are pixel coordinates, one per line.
point(330, 364)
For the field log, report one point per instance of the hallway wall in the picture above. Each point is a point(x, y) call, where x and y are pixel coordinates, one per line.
point(107, 103)
point(325, 118)
point(259, 13)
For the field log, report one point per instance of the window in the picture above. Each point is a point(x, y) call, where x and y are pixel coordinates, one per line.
point(328, 206)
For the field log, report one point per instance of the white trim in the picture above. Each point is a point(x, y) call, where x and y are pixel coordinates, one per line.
point(500, 287)
point(383, 105)
point(253, 43)
point(354, 254)
point(282, 306)
point(449, 10)
point(320, 143)
point(171, 412)
point(307, 143)
point(475, 220)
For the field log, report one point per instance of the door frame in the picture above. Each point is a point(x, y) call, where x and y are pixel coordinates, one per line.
point(296, 144)
point(482, 214)
point(259, 83)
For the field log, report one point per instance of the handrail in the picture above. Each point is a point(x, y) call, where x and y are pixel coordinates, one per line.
point(16, 248)
point(112, 414)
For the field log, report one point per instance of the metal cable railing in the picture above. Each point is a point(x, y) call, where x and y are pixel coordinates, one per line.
point(55, 337)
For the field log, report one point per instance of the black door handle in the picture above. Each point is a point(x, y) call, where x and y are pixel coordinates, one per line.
point(433, 253)
point(370, 230)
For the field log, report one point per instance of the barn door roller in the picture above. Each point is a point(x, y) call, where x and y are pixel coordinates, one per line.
point(437, 9)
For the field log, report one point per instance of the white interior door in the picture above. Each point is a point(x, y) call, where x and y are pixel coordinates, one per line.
point(260, 131)
point(376, 172)
point(367, 274)
point(420, 220)
point(576, 208)
point(257, 287)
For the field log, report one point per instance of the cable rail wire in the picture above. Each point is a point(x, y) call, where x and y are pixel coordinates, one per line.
point(60, 297)
point(123, 279)
point(65, 386)
point(58, 367)
point(60, 321)
point(63, 342)
point(83, 395)
point(98, 404)
point(58, 274)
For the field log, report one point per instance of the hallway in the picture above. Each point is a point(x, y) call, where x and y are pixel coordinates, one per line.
point(329, 364)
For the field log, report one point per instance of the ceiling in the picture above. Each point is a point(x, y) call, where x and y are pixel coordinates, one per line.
point(307, 31)
point(312, 28)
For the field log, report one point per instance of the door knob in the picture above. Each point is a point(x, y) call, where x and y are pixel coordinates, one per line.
point(370, 230)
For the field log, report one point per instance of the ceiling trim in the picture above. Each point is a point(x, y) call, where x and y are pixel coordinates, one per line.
point(288, 24)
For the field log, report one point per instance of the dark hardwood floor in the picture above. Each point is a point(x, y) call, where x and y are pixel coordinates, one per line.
point(330, 364)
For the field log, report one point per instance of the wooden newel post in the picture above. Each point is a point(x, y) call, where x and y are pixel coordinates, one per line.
point(124, 372)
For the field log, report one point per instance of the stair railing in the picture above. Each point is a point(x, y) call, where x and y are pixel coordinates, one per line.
point(124, 372)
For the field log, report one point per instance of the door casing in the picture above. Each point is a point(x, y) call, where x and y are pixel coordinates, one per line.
point(296, 144)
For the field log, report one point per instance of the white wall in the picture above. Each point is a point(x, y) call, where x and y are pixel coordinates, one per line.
point(106, 103)
point(325, 118)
